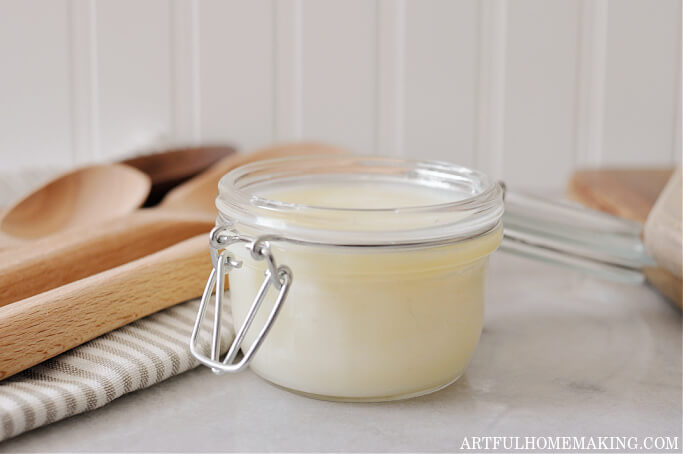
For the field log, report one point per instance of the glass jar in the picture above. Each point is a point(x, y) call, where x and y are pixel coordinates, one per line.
point(362, 278)
point(383, 291)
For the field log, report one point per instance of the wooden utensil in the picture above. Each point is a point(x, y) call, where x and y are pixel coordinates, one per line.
point(628, 193)
point(85, 196)
point(170, 168)
point(80, 252)
point(92, 194)
point(45, 325)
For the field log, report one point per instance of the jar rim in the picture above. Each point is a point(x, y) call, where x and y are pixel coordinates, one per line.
point(476, 210)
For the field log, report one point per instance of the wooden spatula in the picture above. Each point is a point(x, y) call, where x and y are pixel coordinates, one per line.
point(631, 194)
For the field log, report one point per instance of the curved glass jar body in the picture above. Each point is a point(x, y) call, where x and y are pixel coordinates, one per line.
point(388, 261)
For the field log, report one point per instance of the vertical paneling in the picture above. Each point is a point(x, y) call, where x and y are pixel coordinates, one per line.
point(84, 80)
point(540, 104)
point(236, 71)
point(185, 70)
point(34, 84)
point(590, 113)
point(441, 45)
point(526, 90)
point(493, 18)
point(391, 70)
point(133, 74)
point(339, 72)
point(676, 152)
point(642, 74)
point(287, 101)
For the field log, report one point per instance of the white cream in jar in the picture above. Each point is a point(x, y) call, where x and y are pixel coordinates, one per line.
point(388, 260)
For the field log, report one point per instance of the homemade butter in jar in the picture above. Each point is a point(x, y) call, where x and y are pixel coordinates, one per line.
point(353, 278)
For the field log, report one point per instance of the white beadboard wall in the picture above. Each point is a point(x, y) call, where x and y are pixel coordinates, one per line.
point(526, 90)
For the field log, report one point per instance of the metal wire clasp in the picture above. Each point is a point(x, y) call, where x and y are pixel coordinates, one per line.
point(279, 277)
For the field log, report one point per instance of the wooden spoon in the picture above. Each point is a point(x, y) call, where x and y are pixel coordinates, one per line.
point(42, 326)
point(92, 194)
point(84, 196)
point(170, 168)
point(80, 252)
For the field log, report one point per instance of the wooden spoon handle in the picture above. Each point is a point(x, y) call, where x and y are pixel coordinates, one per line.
point(67, 256)
point(45, 325)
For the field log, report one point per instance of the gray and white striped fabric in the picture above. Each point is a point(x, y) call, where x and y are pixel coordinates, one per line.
point(133, 357)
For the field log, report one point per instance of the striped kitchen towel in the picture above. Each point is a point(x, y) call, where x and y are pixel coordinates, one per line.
point(133, 357)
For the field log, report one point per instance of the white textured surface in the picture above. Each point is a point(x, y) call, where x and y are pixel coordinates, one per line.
point(561, 354)
point(525, 89)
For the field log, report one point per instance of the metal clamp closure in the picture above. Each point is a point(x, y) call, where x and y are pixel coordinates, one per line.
point(279, 277)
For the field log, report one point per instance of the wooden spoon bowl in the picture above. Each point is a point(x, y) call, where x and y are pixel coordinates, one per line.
point(86, 195)
point(93, 194)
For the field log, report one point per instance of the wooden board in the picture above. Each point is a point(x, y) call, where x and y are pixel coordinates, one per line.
point(627, 193)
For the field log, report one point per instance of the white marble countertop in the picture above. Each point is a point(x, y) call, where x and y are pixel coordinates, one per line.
point(562, 354)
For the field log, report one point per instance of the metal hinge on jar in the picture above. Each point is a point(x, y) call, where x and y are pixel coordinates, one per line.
point(279, 277)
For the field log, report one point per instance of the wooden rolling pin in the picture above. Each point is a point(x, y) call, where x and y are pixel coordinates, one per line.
point(45, 325)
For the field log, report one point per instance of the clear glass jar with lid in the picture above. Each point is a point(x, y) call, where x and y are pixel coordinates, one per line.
point(359, 278)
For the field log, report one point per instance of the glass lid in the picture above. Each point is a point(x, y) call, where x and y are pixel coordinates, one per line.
point(360, 201)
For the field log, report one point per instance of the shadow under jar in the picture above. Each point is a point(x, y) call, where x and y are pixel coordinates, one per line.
point(353, 278)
